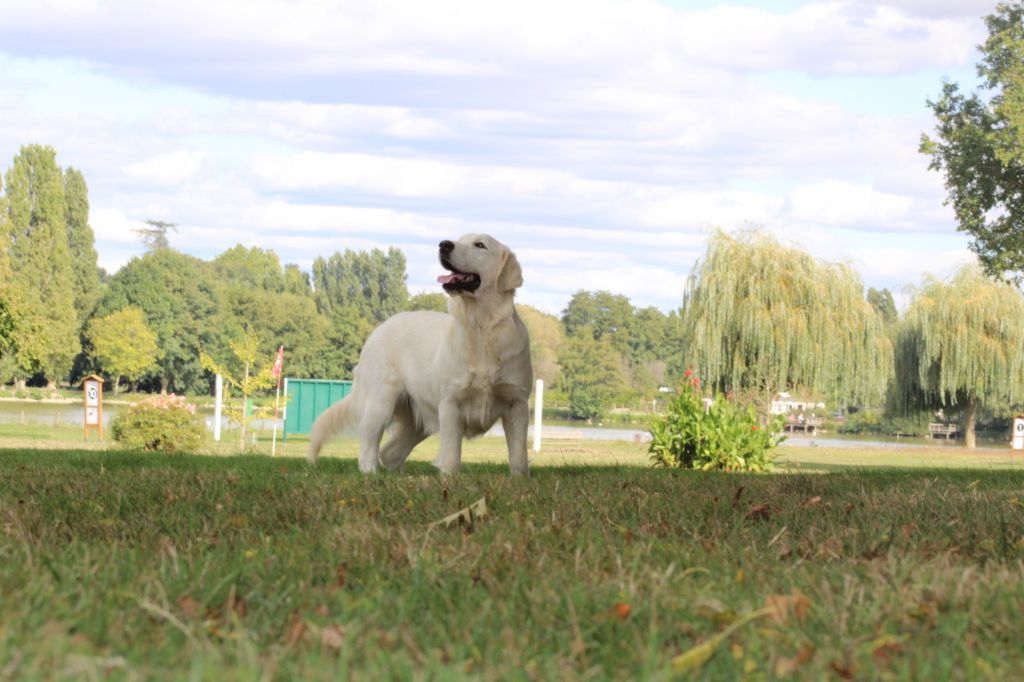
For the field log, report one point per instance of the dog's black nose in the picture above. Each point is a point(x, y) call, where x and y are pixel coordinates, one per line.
point(446, 246)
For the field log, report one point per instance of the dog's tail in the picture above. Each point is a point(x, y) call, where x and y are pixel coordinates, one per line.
point(333, 419)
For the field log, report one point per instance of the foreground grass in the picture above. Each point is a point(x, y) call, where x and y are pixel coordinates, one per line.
point(132, 566)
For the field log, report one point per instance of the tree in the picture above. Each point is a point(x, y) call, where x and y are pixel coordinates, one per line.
point(242, 372)
point(435, 301)
point(6, 319)
point(45, 325)
point(546, 338)
point(601, 314)
point(284, 319)
point(81, 244)
point(122, 345)
point(296, 281)
point(154, 237)
point(758, 316)
point(961, 345)
point(250, 267)
point(979, 147)
point(591, 375)
point(178, 296)
point(884, 305)
point(373, 284)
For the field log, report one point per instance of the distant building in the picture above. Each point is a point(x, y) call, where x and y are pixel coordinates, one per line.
point(785, 403)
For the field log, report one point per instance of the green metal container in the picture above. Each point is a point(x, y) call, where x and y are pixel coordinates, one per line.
point(305, 399)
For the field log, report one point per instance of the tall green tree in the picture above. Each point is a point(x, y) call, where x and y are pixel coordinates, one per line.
point(372, 284)
point(42, 275)
point(81, 244)
point(178, 295)
point(602, 315)
point(122, 345)
point(296, 280)
point(6, 319)
point(591, 375)
point(250, 267)
point(284, 319)
point(960, 346)
point(759, 316)
point(979, 146)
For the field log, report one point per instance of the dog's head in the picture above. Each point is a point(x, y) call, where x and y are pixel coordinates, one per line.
point(478, 263)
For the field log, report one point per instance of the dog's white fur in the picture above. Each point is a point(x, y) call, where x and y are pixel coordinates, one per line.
point(455, 373)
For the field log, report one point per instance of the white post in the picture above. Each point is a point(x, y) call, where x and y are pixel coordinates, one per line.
point(277, 406)
point(538, 409)
point(219, 400)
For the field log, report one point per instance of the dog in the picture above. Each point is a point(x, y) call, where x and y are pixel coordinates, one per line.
point(453, 373)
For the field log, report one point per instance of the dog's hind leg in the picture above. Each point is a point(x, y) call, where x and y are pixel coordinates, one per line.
point(371, 428)
point(405, 435)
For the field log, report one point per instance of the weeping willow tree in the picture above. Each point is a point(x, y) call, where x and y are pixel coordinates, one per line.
point(960, 345)
point(759, 316)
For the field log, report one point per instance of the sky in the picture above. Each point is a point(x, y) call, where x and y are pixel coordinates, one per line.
point(602, 140)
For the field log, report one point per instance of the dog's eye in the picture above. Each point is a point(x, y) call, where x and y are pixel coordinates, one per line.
point(480, 245)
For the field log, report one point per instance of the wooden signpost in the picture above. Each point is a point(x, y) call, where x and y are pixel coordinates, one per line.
point(93, 387)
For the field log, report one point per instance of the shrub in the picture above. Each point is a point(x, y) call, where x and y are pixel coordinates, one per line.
point(583, 404)
point(161, 423)
point(720, 436)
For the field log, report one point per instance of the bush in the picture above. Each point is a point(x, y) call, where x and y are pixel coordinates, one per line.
point(583, 404)
point(722, 436)
point(161, 424)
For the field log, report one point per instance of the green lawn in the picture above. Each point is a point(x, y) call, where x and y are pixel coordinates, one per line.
point(131, 566)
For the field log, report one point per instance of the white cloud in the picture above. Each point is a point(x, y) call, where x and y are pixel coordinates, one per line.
point(838, 203)
point(601, 138)
point(169, 168)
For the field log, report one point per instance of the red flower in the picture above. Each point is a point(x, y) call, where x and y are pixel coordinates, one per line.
point(753, 428)
point(688, 373)
point(696, 382)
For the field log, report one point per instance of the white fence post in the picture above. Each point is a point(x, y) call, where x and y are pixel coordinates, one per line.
point(538, 409)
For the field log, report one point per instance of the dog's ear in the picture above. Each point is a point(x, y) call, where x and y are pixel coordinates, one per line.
point(510, 276)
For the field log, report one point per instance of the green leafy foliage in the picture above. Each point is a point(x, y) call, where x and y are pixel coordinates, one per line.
point(960, 345)
point(979, 147)
point(42, 286)
point(122, 344)
point(163, 423)
point(761, 316)
point(591, 375)
point(721, 436)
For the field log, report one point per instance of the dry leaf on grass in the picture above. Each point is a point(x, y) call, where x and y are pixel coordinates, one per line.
point(692, 660)
point(466, 515)
point(782, 606)
point(759, 512)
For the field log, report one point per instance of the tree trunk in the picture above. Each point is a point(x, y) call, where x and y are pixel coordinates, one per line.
point(165, 381)
point(117, 385)
point(19, 384)
point(51, 384)
point(970, 421)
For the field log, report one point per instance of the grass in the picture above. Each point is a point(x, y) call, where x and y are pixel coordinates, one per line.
point(133, 566)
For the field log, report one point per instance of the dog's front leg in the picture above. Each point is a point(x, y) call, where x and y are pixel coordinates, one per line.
point(515, 423)
point(451, 437)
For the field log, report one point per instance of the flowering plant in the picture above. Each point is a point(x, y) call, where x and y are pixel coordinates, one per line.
point(717, 434)
point(161, 423)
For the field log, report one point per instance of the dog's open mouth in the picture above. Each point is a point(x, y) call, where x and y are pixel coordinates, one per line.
point(457, 281)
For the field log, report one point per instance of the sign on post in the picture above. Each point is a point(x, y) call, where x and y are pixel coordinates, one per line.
point(1017, 435)
point(93, 387)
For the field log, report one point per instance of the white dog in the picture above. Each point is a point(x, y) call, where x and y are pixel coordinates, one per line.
point(455, 373)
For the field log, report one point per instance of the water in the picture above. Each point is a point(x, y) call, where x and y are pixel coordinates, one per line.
point(72, 414)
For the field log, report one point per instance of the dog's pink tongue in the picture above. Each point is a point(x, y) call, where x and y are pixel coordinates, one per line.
point(446, 279)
